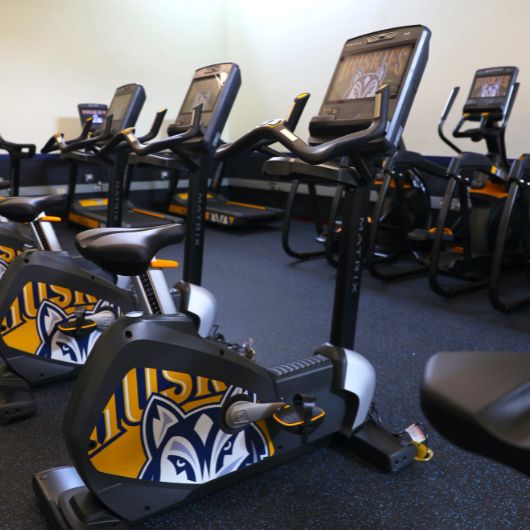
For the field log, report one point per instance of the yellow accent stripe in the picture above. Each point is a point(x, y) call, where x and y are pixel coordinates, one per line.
point(317, 417)
point(179, 210)
point(184, 196)
point(149, 213)
point(93, 202)
point(50, 219)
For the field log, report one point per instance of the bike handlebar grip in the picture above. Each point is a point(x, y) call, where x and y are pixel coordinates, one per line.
point(155, 127)
point(49, 146)
point(450, 103)
point(86, 128)
point(296, 110)
point(116, 140)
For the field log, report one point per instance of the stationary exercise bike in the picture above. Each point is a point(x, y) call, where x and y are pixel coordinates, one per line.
point(53, 307)
point(174, 416)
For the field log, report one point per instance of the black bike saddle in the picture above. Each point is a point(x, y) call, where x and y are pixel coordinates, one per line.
point(127, 251)
point(27, 209)
point(481, 402)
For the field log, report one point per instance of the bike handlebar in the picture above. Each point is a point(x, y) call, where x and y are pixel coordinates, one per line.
point(277, 131)
point(137, 146)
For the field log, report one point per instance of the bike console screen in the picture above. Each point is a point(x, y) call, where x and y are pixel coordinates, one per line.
point(118, 108)
point(95, 111)
point(359, 75)
point(490, 86)
point(491, 90)
point(203, 91)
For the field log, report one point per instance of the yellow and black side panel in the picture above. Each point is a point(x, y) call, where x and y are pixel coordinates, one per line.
point(31, 324)
point(163, 426)
point(7, 255)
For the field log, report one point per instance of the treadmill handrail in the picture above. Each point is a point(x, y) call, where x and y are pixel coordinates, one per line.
point(53, 143)
point(277, 131)
point(57, 141)
point(136, 145)
point(118, 142)
point(21, 150)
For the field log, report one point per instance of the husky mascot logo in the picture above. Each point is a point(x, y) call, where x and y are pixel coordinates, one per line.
point(490, 90)
point(365, 85)
point(191, 448)
point(59, 346)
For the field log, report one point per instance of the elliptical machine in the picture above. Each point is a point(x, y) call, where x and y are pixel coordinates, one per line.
point(461, 243)
point(188, 416)
point(516, 213)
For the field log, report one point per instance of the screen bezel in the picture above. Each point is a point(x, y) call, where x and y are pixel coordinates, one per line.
point(402, 44)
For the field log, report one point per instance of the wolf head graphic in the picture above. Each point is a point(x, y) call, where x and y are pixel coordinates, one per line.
point(490, 90)
point(58, 346)
point(191, 448)
point(365, 85)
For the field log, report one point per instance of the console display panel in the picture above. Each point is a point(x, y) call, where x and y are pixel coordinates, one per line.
point(494, 86)
point(206, 91)
point(118, 107)
point(97, 114)
point(361, 74)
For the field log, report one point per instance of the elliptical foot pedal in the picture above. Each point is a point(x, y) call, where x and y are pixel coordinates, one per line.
point(422, 234)
point(16, 398)
point(68, 504)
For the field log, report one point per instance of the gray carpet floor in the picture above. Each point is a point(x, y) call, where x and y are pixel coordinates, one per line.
point(285, 306)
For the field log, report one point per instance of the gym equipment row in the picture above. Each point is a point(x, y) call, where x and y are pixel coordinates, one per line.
point(481, 230)
point(254, 417)
point(169, 412)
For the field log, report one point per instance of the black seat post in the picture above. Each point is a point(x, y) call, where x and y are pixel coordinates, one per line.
point(117, 176)
point(195, 219)
point(14, 161)
point(349, 271)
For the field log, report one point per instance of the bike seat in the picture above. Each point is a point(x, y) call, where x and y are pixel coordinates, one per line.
point(27, 209)
point(481, 402)
point(127, 251)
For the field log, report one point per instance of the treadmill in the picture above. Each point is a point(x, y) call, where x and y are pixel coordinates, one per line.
point(219, 210)
point(111, 210)
point(215, 87)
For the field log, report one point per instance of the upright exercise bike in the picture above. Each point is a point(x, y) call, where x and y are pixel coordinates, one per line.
point(53, 307)
point(169, 416)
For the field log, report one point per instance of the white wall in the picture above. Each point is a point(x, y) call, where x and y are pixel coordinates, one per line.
point(289, 46)
point(56, 53)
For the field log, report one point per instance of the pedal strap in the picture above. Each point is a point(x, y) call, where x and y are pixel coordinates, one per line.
point(302, 417)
